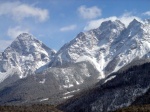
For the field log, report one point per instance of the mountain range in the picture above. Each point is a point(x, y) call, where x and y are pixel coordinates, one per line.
point(99, 60)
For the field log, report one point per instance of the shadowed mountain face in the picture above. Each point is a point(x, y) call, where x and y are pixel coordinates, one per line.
point(121, 91)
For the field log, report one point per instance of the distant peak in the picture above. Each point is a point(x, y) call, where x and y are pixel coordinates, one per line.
point(25, 36)
point(23, 41)
point(135, 21)
point(112, 24)
point(135, 24)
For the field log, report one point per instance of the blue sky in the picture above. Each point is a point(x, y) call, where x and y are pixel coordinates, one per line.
point(56, 22)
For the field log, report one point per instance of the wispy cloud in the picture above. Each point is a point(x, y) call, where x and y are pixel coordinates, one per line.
point(14, 32)
point(19, 11)
point(126, 18)
point(68, 28)
point(89, 13)
point(147, 13)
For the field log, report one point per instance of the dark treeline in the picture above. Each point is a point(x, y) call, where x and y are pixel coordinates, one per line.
point(31, 108)
point(126, 82)
point(139, 108)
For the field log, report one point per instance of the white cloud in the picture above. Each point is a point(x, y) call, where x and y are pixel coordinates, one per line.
point(126, 18)
point(4, 44)
point(14, 32)
point(147, 13)
point(68, 28)
point(89, 13)
point(19, 11)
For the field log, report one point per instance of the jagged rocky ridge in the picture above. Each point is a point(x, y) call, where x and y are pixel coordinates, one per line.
point(110, 44)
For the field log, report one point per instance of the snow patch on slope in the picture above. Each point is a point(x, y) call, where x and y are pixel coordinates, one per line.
point(93, 61)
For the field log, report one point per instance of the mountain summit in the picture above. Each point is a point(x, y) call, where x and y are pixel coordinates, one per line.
point(23, 57)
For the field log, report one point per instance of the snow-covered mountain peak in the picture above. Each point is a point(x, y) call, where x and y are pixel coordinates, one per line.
point(90, 46)
point(109, 47)
point(137, 29)
point(25, 36)
point(135, 24)
point(111, 25)
point(24, 56)
point(135, 21)
point(109, 30)
point(24, 42)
